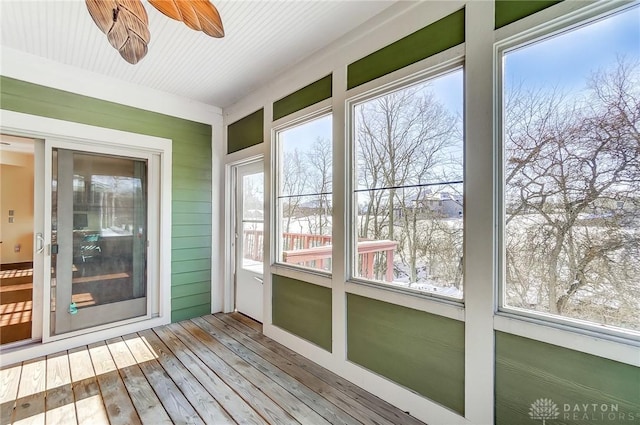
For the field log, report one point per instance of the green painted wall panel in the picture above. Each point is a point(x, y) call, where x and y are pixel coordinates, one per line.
point(191, 219)
point(184, 183)
point(184, 172)
point(183, 303)
point(303, 309)
point(191, 242)
point(192, 195)
point(188, 266)
point(189, 140)
point(434, 38)
point(417, 350)
point(191, 207)
point(188, 230)
point(187, 160)
point(189, 289)
point(508, 11)
point(191, 254)
point(246, 132)
point(528, 370)
point(188, 313)
point(190, 277)
point(53, 103)
point(300, 99)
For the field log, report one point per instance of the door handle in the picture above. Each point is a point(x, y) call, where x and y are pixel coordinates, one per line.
point(259, 279)
point(39, 243)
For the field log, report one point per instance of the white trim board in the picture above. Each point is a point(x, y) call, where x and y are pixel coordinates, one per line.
point(27, 67)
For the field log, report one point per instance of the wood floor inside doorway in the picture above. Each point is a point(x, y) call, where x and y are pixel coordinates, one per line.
point(217, 369)
point(16, 289)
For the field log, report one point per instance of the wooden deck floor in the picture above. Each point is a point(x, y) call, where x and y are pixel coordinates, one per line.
point(212, 370)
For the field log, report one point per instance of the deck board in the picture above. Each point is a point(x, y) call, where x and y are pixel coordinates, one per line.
point(142, 395)
point(205, 404)
point(9, 381)
point(219, 388)
point(120, 409)
point(59, 400)
point(320, 405)
point(30, 407)
point(216, 369)
point(287, 400)
point(335, 396)
point(249, 328)
point(175, 403)
point(90, 408)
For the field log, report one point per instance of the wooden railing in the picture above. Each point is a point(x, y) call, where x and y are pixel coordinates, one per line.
point(316, 250)
point(252, 244)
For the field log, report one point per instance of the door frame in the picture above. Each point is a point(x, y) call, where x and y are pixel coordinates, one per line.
point(49, 129)
point(230, 225)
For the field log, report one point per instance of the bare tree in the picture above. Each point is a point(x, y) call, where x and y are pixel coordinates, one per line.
point(293, 183)
point(572, 182)
point(403, 140)
point(319, 160)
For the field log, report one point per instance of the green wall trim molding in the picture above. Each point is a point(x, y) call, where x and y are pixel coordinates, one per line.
point(302, 308)
point(529, 370)
point(306, 96)
point(421, 351)
point(508, 11)
point(190, 280)
point(434, 38)
point(246, 132)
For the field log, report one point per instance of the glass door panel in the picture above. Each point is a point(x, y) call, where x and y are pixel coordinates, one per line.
point(99, 240)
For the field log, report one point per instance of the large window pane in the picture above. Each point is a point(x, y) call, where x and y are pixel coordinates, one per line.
point(304, 194)
point(572, 174)
point(409, 188)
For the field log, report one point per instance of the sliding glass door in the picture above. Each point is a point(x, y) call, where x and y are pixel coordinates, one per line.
point(99, 226)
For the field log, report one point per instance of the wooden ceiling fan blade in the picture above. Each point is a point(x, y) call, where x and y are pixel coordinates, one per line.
point(199, 15)
point(126, 24)
point(101, 12)
point(210, 19)
point(134, 49)
point(168, 8)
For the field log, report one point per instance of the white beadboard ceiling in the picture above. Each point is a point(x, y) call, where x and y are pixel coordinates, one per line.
point(262, 39)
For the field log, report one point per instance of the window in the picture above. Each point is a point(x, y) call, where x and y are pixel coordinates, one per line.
point(571, 200)
point(304, 181)
point(408, 187)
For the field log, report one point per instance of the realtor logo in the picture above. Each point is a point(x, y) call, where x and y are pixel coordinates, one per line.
point(543, 409)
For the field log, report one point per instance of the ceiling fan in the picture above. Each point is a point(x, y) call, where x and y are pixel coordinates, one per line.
point(126, 24)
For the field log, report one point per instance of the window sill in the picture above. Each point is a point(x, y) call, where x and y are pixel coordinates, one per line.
point(417, 301)
point(316, 277)
point(591, 342)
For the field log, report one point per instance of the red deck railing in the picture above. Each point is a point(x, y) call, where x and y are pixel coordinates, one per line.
point(315, 250)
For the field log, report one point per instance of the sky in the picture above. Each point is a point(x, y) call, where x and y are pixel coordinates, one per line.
point(564, 61)
point(568, 60)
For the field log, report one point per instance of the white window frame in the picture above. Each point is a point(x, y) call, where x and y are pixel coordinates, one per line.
point(436, 66)
point(590, 337)
point(279, 267)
